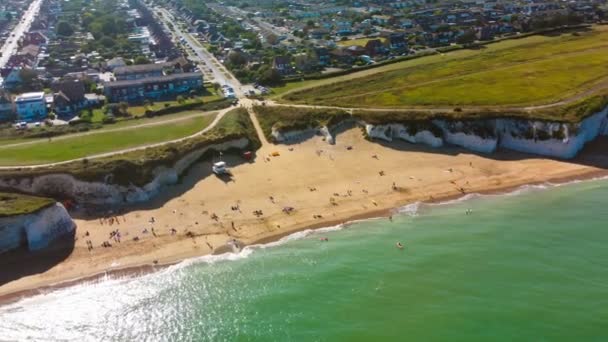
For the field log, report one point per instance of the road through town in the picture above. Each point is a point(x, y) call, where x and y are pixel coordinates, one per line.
point(220, 74)
point(10, 47)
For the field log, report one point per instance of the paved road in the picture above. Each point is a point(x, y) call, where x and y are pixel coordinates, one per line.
point(10, 47)
point(221, 75)
point(262, 25)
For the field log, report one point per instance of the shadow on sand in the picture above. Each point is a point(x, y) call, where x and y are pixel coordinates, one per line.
point(593, 154)
point(21, 262)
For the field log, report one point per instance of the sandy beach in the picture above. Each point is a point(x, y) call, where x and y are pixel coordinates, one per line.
point(323, 184)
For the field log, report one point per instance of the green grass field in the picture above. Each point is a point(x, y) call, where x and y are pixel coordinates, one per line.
point(139, 167)
point(82, 146)
point(16, 204)
point(359, 42)
point(527, 71)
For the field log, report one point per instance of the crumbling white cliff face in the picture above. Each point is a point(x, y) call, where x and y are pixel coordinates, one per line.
point(302, 134)
point(37, 230)
point(390, 131)
point(98, 193)
point(553, 139)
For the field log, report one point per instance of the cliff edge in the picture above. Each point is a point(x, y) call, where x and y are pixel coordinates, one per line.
point(32, 222)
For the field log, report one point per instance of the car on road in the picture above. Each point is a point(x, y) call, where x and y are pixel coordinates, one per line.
point(21, 125)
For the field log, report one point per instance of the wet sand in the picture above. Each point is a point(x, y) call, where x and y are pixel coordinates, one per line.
point(324, 184)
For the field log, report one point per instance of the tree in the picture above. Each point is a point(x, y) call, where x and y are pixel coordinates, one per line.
point(466, 38)
point(270, 76)
point(141, 60)
point(29, 79)
point(124, 108)
point(272, 39)
point(64, 29)
point(180, 99)
point(8, 16)
point(237, 58)
point(107, 42)
point(310, 23)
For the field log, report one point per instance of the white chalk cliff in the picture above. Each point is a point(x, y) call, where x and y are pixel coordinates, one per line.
point(62, 185)
point(390, 131)
point(553, 139)
point(36, 230)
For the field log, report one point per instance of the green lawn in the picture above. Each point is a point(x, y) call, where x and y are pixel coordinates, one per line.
point(82, 146)
point(11, 139)
point(532, 70)
point(16, 204)
point(359, 42)
point(141, 110)
point(139, 167)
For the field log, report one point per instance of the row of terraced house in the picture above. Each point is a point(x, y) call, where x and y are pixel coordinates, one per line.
point(158, 81)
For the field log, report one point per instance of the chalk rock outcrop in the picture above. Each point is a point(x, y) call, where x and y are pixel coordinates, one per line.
point(36, 230)
point(553, 139)
point(391, 131)
point(61, 185)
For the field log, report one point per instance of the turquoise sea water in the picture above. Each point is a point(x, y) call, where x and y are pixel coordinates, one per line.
point(525, 267)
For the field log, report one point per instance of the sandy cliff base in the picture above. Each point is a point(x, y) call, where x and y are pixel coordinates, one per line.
point(314, 178)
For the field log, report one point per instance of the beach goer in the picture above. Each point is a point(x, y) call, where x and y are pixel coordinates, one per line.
point(324, 239)
point(399, 245)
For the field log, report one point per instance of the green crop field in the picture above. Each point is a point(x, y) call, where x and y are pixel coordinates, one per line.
point(81, 146)
point(522, 72)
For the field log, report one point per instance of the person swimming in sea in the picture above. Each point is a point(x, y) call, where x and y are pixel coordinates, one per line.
point(324, 239)
point(399, 245)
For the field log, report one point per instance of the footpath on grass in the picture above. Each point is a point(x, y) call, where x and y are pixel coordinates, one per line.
point(219, 116)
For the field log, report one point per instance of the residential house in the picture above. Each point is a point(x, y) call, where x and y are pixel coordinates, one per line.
point(356, 50)
point(341, 56)
point(69, 96)
point(12, 78)
point(115, 62)
point(34, 38)
point(323, 57)
point(135, 72)
point(484, 33)
point(305, 61)
point(375, 47)
point(397, 42)
point(282, 64)
point(344, 28)
point(7, 109)
point(380, 19)
point(31, 107)
point(30, 50)
point(155, 88)
point(318, 33)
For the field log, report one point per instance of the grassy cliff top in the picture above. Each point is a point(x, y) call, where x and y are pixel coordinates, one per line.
point(531, 71)
point(16, 204)
point(138, 167)
point(293, 118)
